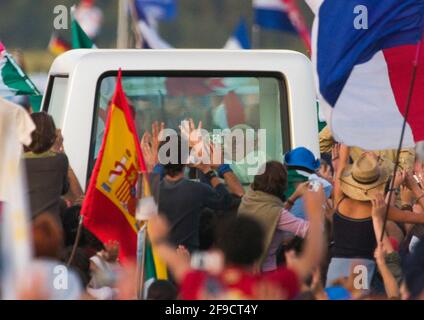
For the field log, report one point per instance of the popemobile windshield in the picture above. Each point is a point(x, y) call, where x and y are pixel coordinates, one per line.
point(225, 89)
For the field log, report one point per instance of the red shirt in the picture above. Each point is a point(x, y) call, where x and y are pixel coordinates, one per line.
point(235, 283)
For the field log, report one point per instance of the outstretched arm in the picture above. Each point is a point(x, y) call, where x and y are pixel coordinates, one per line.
point(390, 284)
point(383, 248)
point(233, 183)
point(413, 185)
point(314, 246)
point(404, 216)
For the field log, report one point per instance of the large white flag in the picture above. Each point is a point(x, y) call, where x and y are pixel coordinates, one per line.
point(15, 244)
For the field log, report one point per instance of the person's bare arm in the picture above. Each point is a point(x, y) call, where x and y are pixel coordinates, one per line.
point(390, 284)
point(158, 232)
point(384, 247)
point(233, 183)
point(314, 247)
point(217, 159)
point(399, 179)
point(150, 145)
point(205, 168)
point(75, 193)
point(412, 185)
point(377, 213)
point(75, 189)
point(298, 193)
point(404, 216)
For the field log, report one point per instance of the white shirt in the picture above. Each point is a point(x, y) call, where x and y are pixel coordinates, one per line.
point(14, 119)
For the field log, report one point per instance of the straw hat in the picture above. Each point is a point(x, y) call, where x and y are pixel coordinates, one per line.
point(367, 176)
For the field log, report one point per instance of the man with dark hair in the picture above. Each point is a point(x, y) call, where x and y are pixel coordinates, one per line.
point(243, 249)
point(162, 290)
point(182, 200)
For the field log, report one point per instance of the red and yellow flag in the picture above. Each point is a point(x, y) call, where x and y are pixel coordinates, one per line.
point(110, 204)
point(57, 45)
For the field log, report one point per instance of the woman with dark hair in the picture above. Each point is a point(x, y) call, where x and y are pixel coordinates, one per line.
point(265, 202)
point(47, 171)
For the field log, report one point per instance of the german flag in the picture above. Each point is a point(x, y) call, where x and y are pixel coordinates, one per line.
point(110, 204)
point(57, 45)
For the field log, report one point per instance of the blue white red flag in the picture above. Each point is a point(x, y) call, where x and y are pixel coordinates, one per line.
point(363, 52)
point(240, 38)
point(151, 38)
point(281, 15)
point(158, 9)
point(272, 14)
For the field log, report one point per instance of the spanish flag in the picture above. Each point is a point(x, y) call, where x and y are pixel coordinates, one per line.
point(109, 207)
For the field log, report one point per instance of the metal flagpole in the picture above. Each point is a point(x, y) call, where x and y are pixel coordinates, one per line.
point(408, 104)
point(256, 33)
point(141, 258)
point(122, 31)
point(76, 242)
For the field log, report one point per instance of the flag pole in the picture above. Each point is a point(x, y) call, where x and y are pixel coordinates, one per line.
point(122, 29)
point(76, 242)
point(407, 107)
point(256, 33)
point(141, 258)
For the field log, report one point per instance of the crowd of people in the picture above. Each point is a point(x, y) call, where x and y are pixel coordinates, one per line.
point(305, 228)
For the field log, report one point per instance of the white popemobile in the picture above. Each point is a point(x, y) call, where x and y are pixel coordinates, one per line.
point(259, 89)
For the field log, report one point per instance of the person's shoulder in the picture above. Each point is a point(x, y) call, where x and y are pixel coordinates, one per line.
point(61, 158)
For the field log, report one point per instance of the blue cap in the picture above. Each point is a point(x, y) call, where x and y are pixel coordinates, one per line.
point(301, 157)
point(338, 293)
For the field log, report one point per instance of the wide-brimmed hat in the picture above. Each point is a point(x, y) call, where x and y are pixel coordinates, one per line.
point(366, 177)
point(301, 158)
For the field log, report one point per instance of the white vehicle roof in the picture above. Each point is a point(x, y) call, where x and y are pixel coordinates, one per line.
point(182, 59)
point(84, 68)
